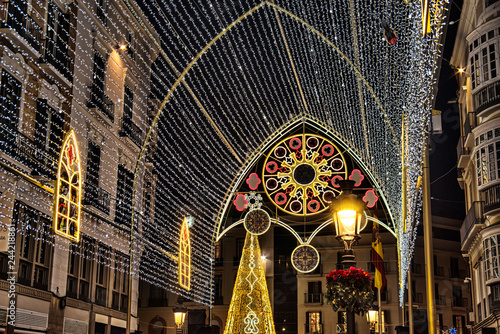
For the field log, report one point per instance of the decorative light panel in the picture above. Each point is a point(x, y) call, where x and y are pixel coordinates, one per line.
point(300, 174)
point(68, 190)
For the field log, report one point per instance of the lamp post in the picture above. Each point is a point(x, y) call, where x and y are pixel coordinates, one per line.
point(372, 317)
point(180, 312)
point(350, 219)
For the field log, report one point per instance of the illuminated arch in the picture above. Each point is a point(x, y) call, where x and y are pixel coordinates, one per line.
point(67, 208)
point(185, 256)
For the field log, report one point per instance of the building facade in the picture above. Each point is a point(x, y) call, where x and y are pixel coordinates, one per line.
point(476, 60)
point(81, 66)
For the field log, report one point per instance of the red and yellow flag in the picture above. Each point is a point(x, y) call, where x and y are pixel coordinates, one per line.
point(378, 258)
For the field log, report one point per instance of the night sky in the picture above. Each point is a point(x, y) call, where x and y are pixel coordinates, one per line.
point(448, 198)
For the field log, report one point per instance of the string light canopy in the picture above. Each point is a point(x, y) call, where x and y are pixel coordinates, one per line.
point(226, 81)
point(237, 75)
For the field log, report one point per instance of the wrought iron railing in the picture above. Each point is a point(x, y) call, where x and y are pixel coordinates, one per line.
point(58, 58)
point(23, 24)
point(474, 216)
point(25, 151)
point(487, 97)
point(97, 197)
point(313, 298)
point(491, 198)
point(132, 131)
point(101, 101)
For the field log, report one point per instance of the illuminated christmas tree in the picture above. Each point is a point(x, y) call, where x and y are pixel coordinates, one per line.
point(250, 309)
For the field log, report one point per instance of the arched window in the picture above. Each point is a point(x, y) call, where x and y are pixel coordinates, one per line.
point(185, 256)
point(157, 326)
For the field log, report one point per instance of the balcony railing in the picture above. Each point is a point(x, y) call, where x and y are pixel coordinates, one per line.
point(487, 97)
point(97, 197)
point(474, 217)
point(491, 198)
point(315, 329)
point(25, 151)
point(132, 131)
point(441, 300)
point(58, 58)
point(23, 24)
point(102, 102)
point(313, 298)
point(458, 302)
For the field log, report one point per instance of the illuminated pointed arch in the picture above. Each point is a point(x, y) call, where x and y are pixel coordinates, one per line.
point(67, 208)
point(185, 256)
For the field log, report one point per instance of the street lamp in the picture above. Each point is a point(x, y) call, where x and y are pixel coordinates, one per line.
point(180, 312)
point(372, 317)
point(349, 218)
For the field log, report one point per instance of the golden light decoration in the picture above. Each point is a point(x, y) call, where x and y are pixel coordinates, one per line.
point(250, 309)
point(185, 256)
point(301, 173)
point(67, 207)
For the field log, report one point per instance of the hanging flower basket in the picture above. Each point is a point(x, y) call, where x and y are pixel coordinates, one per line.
point(350, 290)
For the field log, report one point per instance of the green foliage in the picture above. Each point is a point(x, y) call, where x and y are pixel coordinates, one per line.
point(350, 290)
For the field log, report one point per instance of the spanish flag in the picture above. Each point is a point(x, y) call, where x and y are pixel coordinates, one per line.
point(378, 258)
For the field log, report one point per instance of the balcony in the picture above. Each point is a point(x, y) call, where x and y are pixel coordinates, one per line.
point(316, 329)
point(486, 98)
point(441, 300)
point(21, 28)
point(463, 154)
point(472, 223)
point(469, 124)
point(132, 131)
point(313, 298)
point(102, 102)
point(491, 198)
point(59, 60)
point(24, 150)
point(458, 302)
point(98, 198)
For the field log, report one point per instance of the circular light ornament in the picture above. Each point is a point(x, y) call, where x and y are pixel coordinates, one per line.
point(257, 222)
point(305, 258)
point(300, 170)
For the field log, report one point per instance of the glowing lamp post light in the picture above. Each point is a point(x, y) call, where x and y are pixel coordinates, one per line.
point(349, 218)
point(180, 312)
point(372, 317)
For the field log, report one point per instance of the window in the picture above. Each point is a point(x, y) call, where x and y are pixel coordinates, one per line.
point(491, 258)
point(454, 271)
point(459, 324)
point(56, 43)
point(98, 99)
point(218, 297)
point(439, 324)
point(157, 296)
point(93, 166)
point(10, 103)
point(79, 268)
point(124, 188)
point(313, 322)
point(185, 256)
point(218, 253)
point(457, 296)
point(33, 244)
point(101, 11)
point(314, 292)
point(495, 292)
point(131, 44)
point(128, 107)
point(49, 128)
point(120, 282)
point(101, 276)
point(488, 162)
